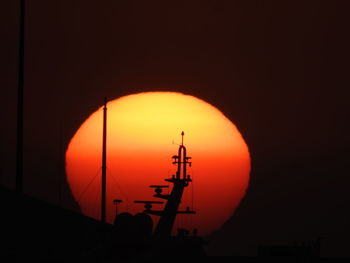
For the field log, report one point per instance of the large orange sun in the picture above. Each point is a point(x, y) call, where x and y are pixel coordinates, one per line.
point(143, 133)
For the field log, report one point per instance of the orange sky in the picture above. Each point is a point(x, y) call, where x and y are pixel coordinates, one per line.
point(143, 133)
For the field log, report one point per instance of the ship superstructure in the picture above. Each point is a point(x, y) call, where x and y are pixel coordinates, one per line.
point(160, 241)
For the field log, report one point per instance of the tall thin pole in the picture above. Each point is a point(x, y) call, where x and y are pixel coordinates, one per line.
point(19, 148)
point(60, 164)
point(104, 165)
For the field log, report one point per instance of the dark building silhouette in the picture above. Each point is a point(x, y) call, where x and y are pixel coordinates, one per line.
point(294, 253)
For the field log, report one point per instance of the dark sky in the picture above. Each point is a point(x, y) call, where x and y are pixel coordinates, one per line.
point(278, 69)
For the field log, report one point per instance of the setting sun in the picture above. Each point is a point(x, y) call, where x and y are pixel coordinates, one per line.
point(143, 133)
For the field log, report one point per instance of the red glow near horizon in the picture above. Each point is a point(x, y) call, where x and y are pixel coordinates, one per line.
point(140, 135)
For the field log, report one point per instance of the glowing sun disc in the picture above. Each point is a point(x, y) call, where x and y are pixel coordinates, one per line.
point(143, 133)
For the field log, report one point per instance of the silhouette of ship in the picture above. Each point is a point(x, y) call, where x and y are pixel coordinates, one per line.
point(33, 229)
point(137, 230)
point(36, 230)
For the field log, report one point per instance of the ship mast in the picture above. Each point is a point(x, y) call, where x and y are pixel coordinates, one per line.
point(180, 180)
point(19, 146)
point(104, 163)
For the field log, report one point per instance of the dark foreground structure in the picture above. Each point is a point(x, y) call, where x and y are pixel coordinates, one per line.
point(34, 230)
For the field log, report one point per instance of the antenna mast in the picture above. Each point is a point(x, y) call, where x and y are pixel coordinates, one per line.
point(180, 180)
point(19, 146)
point(104, 165)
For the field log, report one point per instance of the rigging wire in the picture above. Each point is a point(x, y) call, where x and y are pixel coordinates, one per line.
point(88, 185)
point(168, 183)
point(192, 190)
point(119, 188)
point(192, 200)
point(96, 202)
